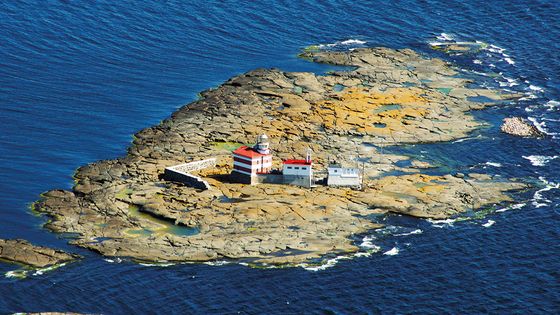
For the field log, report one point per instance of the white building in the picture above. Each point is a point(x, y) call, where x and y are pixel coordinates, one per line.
point(297, 168)
point(298, 172)
point(343, 176)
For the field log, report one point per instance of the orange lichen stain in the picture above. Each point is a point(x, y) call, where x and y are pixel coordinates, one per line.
point(360, 109)
point(427, 184)
point(431, 189)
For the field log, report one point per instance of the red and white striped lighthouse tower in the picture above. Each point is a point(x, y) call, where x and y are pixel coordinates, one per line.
point(248, 162)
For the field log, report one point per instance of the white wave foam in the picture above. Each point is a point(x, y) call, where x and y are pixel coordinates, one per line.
point(364, 254)
point(552, 105)
point(489, 223)
point(494, 164)
point(156, 264)
point(442, 223)
point(513, 207)
point(468, 138)
point(497, 52)
point(353, 42)
point(348, 42)
point(20, 274)
point(445, 36)
point(367, 243)
point(477, 62)
point(529, 96)
point(392, 252)
point(535, 88)
point(23, 273)
point(41, 271)
point(540, 160)
point(538, 199)
point(328, 264)
point(510, 82)
point(217, 263)
point(117, 260)
point(479, 73)
point(541, 126)
point(495, 49)
point(417, 231)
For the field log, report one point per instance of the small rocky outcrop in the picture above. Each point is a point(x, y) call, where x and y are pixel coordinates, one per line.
point(518, 126)
point(23, 252)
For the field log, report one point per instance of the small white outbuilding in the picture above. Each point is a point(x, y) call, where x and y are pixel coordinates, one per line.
point(343, 176)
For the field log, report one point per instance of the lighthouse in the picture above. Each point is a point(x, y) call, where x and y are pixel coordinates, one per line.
point(248, 162)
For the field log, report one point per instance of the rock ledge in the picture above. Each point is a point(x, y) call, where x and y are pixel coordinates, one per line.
point(23, 252)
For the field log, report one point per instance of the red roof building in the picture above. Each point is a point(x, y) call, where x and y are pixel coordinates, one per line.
point(298, 162)
point(248, 162)
point(299, 168)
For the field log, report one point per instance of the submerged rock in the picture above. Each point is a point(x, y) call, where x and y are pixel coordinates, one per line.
point(518, 126)
point(23, 252)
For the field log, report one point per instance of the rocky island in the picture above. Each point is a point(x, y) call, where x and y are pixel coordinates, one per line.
point(124, 207)
point(518, 126)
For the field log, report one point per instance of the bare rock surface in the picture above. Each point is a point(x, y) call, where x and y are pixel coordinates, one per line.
point(23, 252)
point(122, 208)
point(518, 126)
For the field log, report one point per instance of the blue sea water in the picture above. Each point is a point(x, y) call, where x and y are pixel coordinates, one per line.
point(78, 78)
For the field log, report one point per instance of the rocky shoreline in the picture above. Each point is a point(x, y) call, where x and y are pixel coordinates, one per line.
point(22, 252)
point(123, 207)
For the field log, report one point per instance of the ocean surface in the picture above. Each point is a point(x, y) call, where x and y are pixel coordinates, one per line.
point(78, 78)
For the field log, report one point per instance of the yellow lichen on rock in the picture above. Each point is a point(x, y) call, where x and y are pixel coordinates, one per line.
point(361, 109)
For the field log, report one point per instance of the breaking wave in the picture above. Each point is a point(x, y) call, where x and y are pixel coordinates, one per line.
point(541, 126)
point(367, 243)
point(329, 263)
point(539, 200)
point(445, 37)
point(512, 207)
point(539, 160)
point(392, 252)
point(442, 223)
point(347, 44)
point(552, 105)
point(413, 232)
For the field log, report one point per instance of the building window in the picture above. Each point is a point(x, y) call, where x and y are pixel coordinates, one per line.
point(289, 167)
point(297, 167)
point(304, 168)
point(335, 171)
